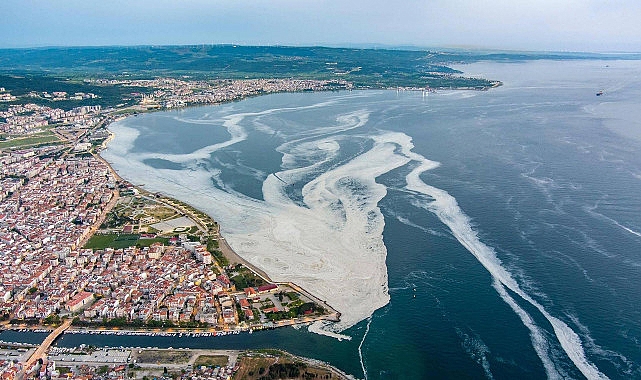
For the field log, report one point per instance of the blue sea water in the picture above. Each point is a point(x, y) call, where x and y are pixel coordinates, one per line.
point(512, 217)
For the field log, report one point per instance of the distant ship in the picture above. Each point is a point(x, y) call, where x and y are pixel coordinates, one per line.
point(599, 93)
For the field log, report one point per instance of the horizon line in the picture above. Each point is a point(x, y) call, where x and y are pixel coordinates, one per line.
point(354, 46)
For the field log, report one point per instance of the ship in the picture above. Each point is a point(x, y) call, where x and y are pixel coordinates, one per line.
point(599, 93)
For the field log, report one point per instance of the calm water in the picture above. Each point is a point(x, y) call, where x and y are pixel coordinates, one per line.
point(518, 256)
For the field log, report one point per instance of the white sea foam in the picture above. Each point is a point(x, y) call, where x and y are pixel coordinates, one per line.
point(539, 342)
point(590, 210)
point(620, 361)
point(321, 328)
point(330, 244)
point(477, 350)
point(448, 211)
point(360, 347)
point(333, 243)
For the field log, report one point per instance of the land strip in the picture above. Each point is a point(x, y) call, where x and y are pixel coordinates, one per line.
point(139, 363)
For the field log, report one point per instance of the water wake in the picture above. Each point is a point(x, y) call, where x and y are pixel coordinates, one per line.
point(477, 350)
point(591, 211)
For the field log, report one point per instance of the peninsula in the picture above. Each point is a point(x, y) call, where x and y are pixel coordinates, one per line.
point(85, 250)
point(80, 244)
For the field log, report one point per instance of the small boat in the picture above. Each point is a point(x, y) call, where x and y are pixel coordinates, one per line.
point(599, 93)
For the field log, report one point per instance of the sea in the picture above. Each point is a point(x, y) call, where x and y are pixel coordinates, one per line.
point(462, 234)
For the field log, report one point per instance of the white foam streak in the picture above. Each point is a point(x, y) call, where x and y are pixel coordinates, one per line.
point(333, 243)
point(360, 347)
point(320, 328)
point(599, 215)
point(539, 342)
point(231, 123)
point(345, 122)
point(477, 350)
point(448, 211)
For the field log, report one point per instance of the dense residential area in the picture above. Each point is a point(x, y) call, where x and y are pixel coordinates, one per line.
point(77, 241)
point(84, 251)
point(53, 203)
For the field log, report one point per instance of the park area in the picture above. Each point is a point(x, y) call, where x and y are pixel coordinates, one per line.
point(118, 241)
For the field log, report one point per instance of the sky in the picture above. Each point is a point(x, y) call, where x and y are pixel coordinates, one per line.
point(550, 25)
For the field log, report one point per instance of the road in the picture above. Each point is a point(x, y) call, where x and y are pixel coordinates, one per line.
point(44, 346)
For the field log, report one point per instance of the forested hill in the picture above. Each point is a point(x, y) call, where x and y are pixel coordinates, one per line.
point(374, 68)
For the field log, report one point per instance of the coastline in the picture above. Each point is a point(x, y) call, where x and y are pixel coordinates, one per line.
point(405, 331)
point(351, 278)
point(228, 252)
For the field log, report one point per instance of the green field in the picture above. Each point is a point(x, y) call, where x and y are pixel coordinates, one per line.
point(211, 361)
point(164, 357)
point(118, 241)
point(41, 138)
point(148, 242)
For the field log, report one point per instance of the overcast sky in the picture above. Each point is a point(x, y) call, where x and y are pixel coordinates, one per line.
point(560, 25)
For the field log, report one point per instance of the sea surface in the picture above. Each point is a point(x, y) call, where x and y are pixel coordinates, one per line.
point(463, 234)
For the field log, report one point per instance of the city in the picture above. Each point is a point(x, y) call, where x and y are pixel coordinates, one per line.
point(69, 250)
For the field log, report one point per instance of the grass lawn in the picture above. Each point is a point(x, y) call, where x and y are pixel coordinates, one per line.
point(116, 241)
point(35, 139)
point(211, 360)
point(148, 242)
point(254, 367)
point(112, 241)
point(162, 213)
point(257, 366)
point(164, 357)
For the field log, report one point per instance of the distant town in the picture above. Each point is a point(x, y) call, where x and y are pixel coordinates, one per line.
point(83, 249)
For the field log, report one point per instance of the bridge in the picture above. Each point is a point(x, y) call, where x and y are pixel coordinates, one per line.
point(40, 352)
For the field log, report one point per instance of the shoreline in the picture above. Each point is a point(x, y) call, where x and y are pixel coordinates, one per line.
point(193, 212)
point(228, 252)
point(344, 310)
point(175, 359)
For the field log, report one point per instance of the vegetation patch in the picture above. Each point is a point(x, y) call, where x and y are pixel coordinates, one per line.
point(211, 361)
point(148, 242)
point(42, 138)
point(115, 241)
point(279, 365)
point(245, 278)
point(164, 356)
point(253, 367)
point(366, 68)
